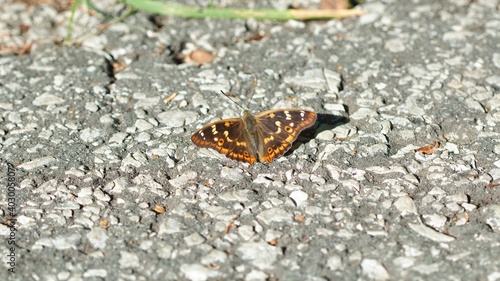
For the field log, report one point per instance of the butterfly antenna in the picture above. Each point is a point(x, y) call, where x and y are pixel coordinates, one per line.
point(232, 100)
point(253, 91)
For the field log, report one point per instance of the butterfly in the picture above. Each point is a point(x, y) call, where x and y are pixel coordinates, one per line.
point(266, 135)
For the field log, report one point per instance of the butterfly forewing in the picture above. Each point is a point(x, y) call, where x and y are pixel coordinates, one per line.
point(278, 129)
point(228, 137)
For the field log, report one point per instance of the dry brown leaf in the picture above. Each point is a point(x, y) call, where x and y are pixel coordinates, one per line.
point(229, 226)
point(118, 66)
point(318, 14)
point(104, 223)
point(299, 218)
point(169, 98)
point(159, 209)
point(272, 242)
point(493, 184)
point(429, 149)
point(161, 49)
point(58, 5)
point(22, 50)
point(199, 57)
point(334, 4)
point(23, 28)
point(257, 36)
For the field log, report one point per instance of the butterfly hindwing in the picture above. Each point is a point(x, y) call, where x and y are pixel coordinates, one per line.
point(278, 129)
point(228, 137)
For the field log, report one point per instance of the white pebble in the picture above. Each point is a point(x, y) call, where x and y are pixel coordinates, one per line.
point(298, 197)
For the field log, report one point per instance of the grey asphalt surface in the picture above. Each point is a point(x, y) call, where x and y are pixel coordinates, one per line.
point(399, 179)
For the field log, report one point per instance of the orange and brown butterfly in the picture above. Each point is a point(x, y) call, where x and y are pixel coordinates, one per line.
point(264, 136)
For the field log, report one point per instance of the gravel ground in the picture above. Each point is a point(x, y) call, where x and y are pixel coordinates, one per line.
point(399, 179)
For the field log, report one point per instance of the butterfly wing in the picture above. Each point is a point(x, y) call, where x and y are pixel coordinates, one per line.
point(228, 137)
point(278, 129)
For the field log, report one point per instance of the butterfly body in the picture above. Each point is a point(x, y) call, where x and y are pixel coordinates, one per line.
point(265, 135)
point(251, 125)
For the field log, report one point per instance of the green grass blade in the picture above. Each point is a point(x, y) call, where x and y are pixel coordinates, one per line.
point(176, 10)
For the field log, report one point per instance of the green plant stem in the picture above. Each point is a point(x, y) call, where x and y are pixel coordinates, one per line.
point(70, 21)
point(176, 10)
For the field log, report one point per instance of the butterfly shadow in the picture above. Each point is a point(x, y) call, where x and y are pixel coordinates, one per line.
point(324, 122)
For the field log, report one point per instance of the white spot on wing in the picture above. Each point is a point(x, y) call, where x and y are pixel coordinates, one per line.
point(214, 130)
